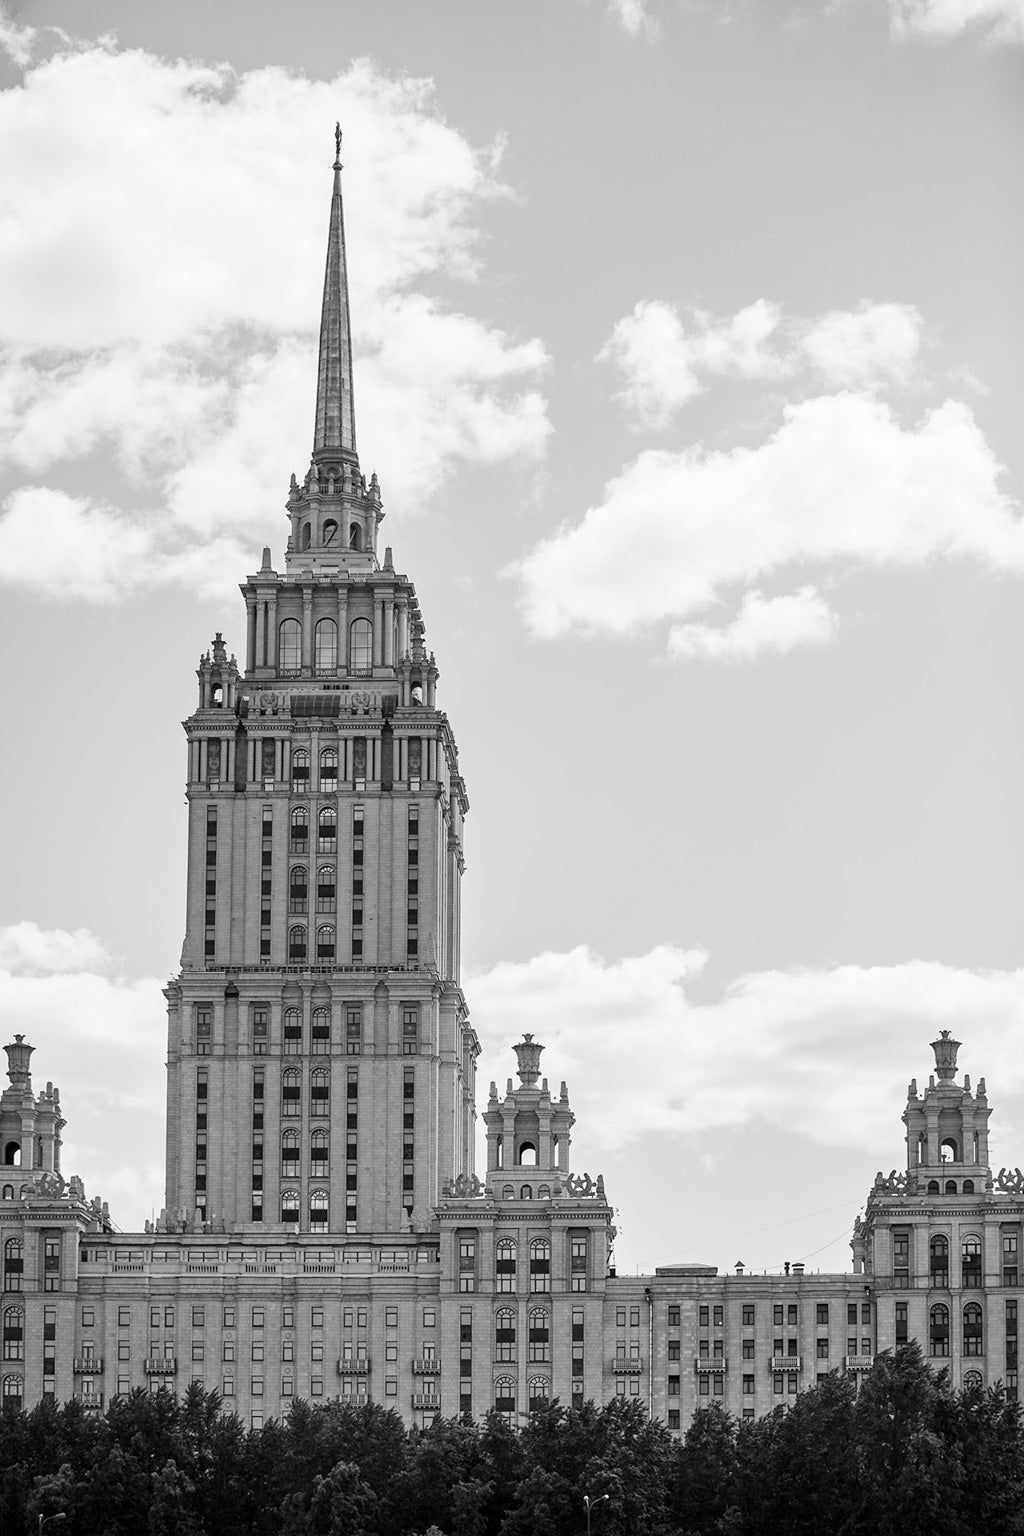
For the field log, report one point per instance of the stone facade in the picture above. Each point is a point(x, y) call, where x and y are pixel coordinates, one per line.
point(325, 1234)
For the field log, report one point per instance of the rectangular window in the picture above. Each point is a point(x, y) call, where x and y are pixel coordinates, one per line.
point(704, 1317)
point(124, 1317)
point(748, 1317)
point(821, 1313)
point(748, 1349)
point(748, 1386)
point(777, 1316)
point(717, 1317)
point(673, 1317)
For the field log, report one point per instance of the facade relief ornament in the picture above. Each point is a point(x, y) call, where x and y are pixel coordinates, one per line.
point(1010, 1181)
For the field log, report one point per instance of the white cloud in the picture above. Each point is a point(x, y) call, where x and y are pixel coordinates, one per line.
point(102, 1038)
point(763, 625)
point(28, 950)
point(822, 1053)
point(664, 363)
point(840, 481)
point(856, 349)
point(997, 21)
point(633, 16)
point(177, 330)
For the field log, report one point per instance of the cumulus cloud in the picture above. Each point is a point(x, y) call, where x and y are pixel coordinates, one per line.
point(167, 260)
point(840, 483)
point(996, 21)
point(753, 1056)
point(101, 1037)
point(633, 16)
point(665, 362)
point(774, 625)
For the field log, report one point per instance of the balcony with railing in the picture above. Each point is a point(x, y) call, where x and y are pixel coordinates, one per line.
point(785, 1363)
point(350, 1367)
point(161, 1365)
point(859, 1362)
point(426, 1400)
point(87, 1365)
point(426, 1365)
point(716, 1365)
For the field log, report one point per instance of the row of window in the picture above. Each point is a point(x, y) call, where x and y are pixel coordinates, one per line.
point(325, 642)
point(971, 1277)
point(787, 1313)
point(14, 1264)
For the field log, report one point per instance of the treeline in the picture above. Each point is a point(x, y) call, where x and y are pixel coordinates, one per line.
point(903, 1455)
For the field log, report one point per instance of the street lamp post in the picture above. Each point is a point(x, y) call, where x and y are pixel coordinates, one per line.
point(45, 1520)
point(588, 1504)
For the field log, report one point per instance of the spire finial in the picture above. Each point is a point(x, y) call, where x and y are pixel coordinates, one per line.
point(335, 428)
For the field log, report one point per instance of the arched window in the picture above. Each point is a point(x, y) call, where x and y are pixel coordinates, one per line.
point(968, 1186)
point(540, 1264)
point(355, 536)
point(291, 1093)
point(329, 771)
point(525, 1192)
point(973, 1343)
point(8, 1192)
point(539, 1393)
point(505, 1399)
point(933, 1186)
point(14, 1264)
point(971, 1263)
point(321, 1032)
point(938, 1329)
point(949, 1151)
point(325, 943)
point(290, 1155)
point(297, 945)
point(505, 1334)
point(951, 1186)
point(12, 1154)
point(300, 778)
point(300, 827)
point(507, 1192)
point(14, 1333)
point(327, 830)
point(544, 1192)
point(330, 535)
point(325, 645)
point(319, 1154)
point(527, 1155)
point(319, 1210)
point(326, 888)
point(938, 1252)
point(292, 1032)
point(505, 1264)
point(290, 1205)
point(307, 534)
point(14, 1391)
point(540, 1334)
point(360, 645)
point(298, 889)
point(320, 1092)
point(972, 1381)
point(289, 645)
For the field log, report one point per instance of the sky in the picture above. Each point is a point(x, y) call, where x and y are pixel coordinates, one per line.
point(688, 353)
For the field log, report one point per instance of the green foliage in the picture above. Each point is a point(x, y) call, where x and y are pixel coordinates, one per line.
point(903, 1455)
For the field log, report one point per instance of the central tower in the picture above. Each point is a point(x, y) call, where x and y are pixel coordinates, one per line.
point(321, 1064)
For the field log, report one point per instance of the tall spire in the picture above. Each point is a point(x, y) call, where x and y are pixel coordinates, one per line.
point(335, 428)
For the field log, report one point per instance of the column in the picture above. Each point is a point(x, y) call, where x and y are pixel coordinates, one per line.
point(378, 631)
point(403, 629)
point(261, 633)
point(342, 631)
point(250, 631)
point(307, 630)
point(272, 660)
point(389, 631)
